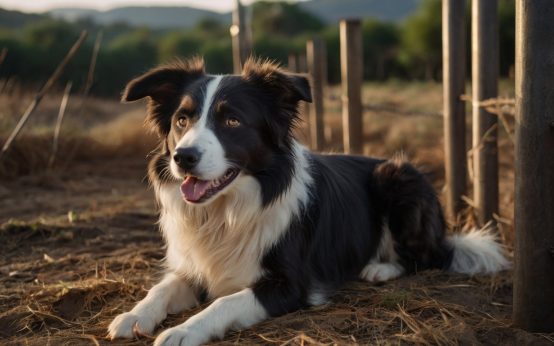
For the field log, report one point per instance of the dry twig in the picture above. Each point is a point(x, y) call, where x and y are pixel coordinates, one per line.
point(43, 91)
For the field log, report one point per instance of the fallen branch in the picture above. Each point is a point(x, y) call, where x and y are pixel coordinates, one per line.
point(3, 55)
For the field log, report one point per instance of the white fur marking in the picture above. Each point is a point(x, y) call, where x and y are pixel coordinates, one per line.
point(213, 164)
point(221, 245)
point(211, 89)
point(237, 311)
point(385, 251)
point(477, 252)
point(384, 265)
point(317, 297)
point(172, 295)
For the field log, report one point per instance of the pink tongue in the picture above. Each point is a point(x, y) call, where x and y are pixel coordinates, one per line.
point(194, 189)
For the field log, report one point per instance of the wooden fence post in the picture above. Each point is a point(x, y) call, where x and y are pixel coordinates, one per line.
point(302, 63)
point(351, 75)
point(292, 64)
point(534, 167)
point(484, 28)
point(454, 78)
point(316, 53)
point(241, 44)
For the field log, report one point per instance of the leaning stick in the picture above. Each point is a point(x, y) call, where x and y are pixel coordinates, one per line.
point(92, 67)
point(3, 55)
point(61, 113)
point(38, 97)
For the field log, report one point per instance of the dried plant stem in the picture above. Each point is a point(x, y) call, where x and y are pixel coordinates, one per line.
point(43, 91)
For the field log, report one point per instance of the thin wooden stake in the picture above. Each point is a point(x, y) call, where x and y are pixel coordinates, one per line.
point(38, 97)
point(485, 86)
point(92, 66)
point(90, 73)
point(239, 34)
point(292, 65)
point(59, 121)
point(315, 53)
point(351, 71)
point(453, 50)
point(3, 55)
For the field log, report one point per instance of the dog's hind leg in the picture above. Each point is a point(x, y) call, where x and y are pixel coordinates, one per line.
point(413, 218)
point(172, 295)
point(384, 265)
point(379, 272)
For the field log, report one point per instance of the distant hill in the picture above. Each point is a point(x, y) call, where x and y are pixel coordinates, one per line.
point(154, 17)
point(15, 19)
point(330, 11)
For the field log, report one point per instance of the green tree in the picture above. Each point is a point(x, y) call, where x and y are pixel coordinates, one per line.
point(218, 56)
point(380, 43)
point(331, 37)
point(125, 58)
point(422, 41)
point(179, 44)
point(282, 18)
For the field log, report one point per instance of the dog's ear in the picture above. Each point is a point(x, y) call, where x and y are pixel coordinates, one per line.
point(282, 91)
point(301, 86)
point(288, 87)
point(163, 86)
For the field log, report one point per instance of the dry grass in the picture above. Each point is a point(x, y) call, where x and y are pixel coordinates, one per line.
point(92, 130)
point(88, 246)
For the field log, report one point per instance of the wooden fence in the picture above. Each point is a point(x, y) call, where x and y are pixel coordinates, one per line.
point(534, 133)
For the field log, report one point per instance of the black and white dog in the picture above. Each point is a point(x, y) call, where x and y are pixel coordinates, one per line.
point(260, 225)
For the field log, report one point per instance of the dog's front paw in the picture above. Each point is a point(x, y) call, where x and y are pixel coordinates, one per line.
point(179, 336)
point(129, 324)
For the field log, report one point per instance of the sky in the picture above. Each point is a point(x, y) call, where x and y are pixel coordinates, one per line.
point(45, 5)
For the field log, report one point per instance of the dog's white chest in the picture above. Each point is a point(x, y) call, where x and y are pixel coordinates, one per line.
point(222, 245)
point(222, 263)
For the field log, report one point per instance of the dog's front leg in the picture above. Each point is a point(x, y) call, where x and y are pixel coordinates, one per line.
point(238, 310)
point(172, 295)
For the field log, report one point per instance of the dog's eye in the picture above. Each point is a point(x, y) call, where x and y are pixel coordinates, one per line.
point(182, 122)
point(232, 122)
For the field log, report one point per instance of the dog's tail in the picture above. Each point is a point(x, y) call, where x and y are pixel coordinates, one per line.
point(477, 252)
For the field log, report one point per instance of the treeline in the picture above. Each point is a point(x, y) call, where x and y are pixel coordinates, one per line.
point(408, 50)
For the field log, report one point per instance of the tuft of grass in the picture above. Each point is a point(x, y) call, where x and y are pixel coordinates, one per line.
point(392, 300)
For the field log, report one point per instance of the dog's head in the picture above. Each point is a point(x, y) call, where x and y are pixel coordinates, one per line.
point(217, 128)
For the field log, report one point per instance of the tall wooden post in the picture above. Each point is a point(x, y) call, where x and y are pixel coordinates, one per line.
point(484, 28)
point(292, 65)
point(351, 74)
point(316, 53)
point(239, 35)
point(302, 63)
point(454, 74)
point(534, 167)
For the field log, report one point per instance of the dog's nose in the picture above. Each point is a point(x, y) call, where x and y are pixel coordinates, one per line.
point(187, 158)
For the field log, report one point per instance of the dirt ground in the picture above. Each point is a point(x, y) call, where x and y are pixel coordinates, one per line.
point(79, 245)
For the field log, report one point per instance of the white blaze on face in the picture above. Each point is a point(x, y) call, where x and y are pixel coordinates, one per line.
point(212, 163)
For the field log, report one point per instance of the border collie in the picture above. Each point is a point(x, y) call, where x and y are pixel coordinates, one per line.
point(259, 225)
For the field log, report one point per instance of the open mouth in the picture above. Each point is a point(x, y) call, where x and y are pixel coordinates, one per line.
point(195, 190)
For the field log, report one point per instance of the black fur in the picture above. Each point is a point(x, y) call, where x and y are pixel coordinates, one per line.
point(352, 198)
point(339, 232)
